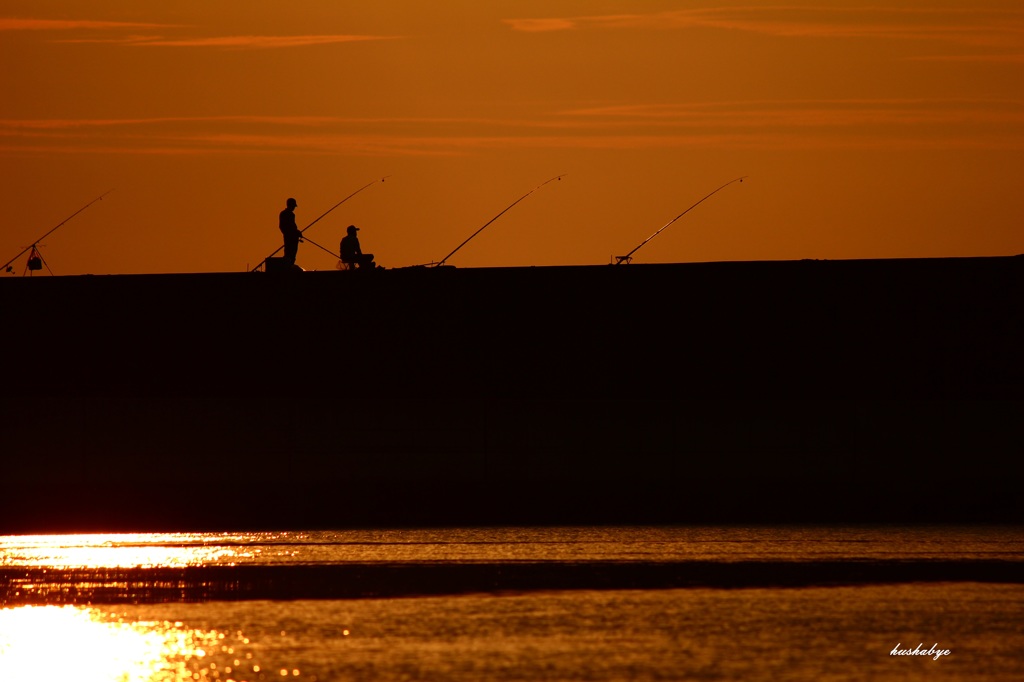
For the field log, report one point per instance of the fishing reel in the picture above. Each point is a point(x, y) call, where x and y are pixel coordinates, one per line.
point(35, 260)
point(34, 264)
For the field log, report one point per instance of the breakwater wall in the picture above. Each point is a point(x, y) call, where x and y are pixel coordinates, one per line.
point(804, 391)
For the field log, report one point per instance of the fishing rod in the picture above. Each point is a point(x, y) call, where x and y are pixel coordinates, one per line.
point(322, 215)
point(6, 266)
point(322, 248)
point(442, 261)
point(629, 256)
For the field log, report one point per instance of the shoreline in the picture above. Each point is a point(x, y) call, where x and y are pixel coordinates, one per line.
point(54, 586)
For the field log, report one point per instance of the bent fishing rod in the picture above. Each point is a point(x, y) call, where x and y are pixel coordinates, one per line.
point(322, 215)
point(442, 261)
point(6, 266)
point(629, 256)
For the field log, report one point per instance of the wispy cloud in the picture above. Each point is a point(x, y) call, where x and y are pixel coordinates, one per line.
point(810, 113)
point(14, 24)
point(966, 26)
point(233, 42)
point(280, 121)
point(129, 34)
point(1014, 58)
point(756, 124)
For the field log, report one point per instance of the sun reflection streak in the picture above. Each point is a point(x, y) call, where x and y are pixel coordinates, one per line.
point(95, 646)
point(124, 550)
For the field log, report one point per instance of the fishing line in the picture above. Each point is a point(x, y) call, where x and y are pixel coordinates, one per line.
point(322, 248)
point(442, 261)
point(629, 256)
point(322, 215)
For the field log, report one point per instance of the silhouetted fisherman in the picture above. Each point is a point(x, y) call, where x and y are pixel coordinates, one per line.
point(351, 253)
point(290, 231)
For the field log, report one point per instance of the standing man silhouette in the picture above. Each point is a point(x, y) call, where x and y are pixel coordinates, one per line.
point(290, 231)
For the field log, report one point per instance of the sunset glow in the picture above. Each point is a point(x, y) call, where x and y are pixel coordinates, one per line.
point(866, 131)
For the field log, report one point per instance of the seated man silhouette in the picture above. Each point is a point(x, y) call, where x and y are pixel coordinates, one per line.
point(352, 254)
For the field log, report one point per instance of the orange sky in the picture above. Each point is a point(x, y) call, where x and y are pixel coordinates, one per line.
point(866, 131)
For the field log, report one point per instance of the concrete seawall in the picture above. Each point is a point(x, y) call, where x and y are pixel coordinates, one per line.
point(805, 391)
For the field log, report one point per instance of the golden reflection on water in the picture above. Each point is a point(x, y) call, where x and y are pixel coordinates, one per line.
point(90, 645)
point(121, 550)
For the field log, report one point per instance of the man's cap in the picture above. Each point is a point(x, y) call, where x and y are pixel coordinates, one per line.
point(353, 228)
point(292, 202)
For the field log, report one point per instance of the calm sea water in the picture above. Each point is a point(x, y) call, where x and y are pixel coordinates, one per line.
point(516, 604)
